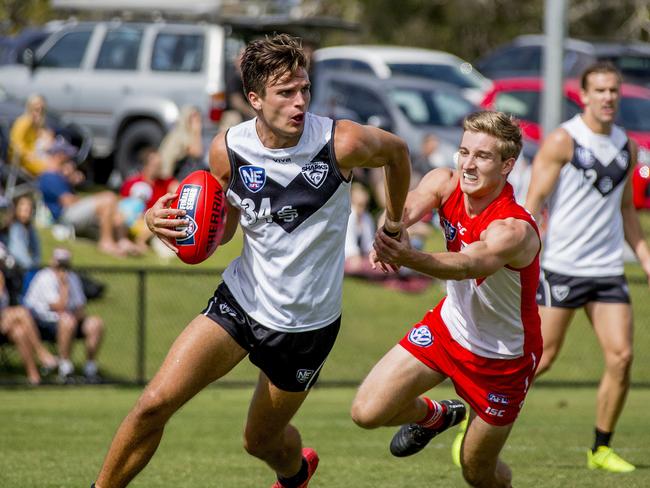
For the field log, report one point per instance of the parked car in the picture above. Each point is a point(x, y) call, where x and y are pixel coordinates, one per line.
point(126, 81)
point(631, 58)
point(386, 61)
point(521, 97)
point(13, 47)
point(407, 106)
point(523, 57)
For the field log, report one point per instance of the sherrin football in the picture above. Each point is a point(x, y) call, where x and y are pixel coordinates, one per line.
point(204, 202)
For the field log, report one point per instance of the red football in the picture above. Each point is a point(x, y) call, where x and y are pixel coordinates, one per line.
point(204, 202)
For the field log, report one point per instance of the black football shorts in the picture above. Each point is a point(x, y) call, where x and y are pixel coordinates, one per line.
point(292, 361)
point(558, 290)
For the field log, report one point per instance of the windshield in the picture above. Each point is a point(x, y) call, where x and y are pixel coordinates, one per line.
point(462, 75)
point(429, 107)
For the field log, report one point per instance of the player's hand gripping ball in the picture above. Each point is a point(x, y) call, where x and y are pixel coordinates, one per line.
point(204, 202)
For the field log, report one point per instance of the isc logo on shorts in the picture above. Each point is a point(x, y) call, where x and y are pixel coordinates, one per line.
point(421, 336)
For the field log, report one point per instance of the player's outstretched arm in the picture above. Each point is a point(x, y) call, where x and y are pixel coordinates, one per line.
point(631, 225)
point(430, 193)
point(365, 146)
point(220, 169)
point(555, 152)
point(510, 241)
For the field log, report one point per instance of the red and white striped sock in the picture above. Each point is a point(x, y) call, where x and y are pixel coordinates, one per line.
point(435, 414)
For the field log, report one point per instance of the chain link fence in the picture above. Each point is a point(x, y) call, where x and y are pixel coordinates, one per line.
point(144, 310)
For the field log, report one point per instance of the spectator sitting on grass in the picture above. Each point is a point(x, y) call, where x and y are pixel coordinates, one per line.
point(24, 244)
point(25, 134)
point(82, 213)
point(56, 299)
point(18, 327)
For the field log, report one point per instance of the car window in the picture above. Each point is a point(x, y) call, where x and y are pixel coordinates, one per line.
point(427, 107)
point(177, 52)
point(345, 65)
point(68, 51)
point(359, 99)
point(520, 59)
point(440, 72)
point(634, 66)
point(522, 104)
point(633, 114)
point(120, 49)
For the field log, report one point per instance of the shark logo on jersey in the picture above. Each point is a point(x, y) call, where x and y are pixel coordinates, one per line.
point(304, 375)
point(421, 336)
point(450, 230)
point(585, 157)
point(315, 173)
point(253, 177)
point(560, 292)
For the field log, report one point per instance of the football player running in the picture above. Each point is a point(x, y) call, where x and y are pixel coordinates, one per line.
point(582, 171)
point(287, 176)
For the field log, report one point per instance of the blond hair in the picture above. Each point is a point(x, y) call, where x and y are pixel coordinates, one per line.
point(504, 128)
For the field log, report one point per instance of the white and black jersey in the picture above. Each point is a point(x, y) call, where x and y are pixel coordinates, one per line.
point(294, 205)
point(585, 228)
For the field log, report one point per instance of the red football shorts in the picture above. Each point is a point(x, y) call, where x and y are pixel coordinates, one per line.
point(494, 388)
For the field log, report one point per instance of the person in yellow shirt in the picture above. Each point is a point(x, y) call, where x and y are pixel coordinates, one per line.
point(25, 133)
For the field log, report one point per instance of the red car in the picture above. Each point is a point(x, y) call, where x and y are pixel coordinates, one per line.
point(521, 97)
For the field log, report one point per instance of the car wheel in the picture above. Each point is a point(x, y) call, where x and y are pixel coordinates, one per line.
point(137, 136)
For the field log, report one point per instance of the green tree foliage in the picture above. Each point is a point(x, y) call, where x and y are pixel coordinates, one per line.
point(17, 14)
point(469, 28)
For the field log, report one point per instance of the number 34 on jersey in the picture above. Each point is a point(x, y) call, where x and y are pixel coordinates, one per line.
point(254, 215)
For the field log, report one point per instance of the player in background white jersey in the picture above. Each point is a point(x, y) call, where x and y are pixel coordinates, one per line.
point(304, 162)
point(582, 172)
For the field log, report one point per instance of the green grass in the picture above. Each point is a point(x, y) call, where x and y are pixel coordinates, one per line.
point(57, 437)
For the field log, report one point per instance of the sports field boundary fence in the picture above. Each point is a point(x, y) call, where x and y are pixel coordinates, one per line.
point(145, 308)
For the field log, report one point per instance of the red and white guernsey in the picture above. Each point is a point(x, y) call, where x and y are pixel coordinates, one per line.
point(496, 316)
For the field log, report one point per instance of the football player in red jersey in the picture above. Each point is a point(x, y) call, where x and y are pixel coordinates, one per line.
point(485, 334)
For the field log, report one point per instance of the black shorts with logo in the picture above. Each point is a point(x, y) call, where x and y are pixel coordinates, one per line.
point(292, 361)
point(558, 290)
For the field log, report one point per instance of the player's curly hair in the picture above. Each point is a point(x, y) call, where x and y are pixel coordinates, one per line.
point(269, 59)
point(503, 127)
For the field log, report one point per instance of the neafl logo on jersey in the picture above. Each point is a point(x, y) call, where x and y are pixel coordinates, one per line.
point(253, 177)
point(315, 173)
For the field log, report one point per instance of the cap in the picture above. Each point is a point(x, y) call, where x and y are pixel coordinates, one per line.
point(60, 145)
point(61, 256)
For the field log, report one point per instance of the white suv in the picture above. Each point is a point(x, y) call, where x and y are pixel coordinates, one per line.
point(385, 61)
point(126, 81)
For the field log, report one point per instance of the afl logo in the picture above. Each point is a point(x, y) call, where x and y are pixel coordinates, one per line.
point(421, 336)
point(190, 230)
point(450, 230)
point(253, 177)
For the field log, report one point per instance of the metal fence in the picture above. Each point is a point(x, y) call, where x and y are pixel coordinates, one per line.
point(144, 310)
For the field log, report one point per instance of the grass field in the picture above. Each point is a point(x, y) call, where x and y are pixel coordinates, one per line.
point(57, 437)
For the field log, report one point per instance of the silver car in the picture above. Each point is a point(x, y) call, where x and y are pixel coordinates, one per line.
point(126, 81)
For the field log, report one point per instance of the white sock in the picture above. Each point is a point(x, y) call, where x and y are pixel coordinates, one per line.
point(65, 367)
